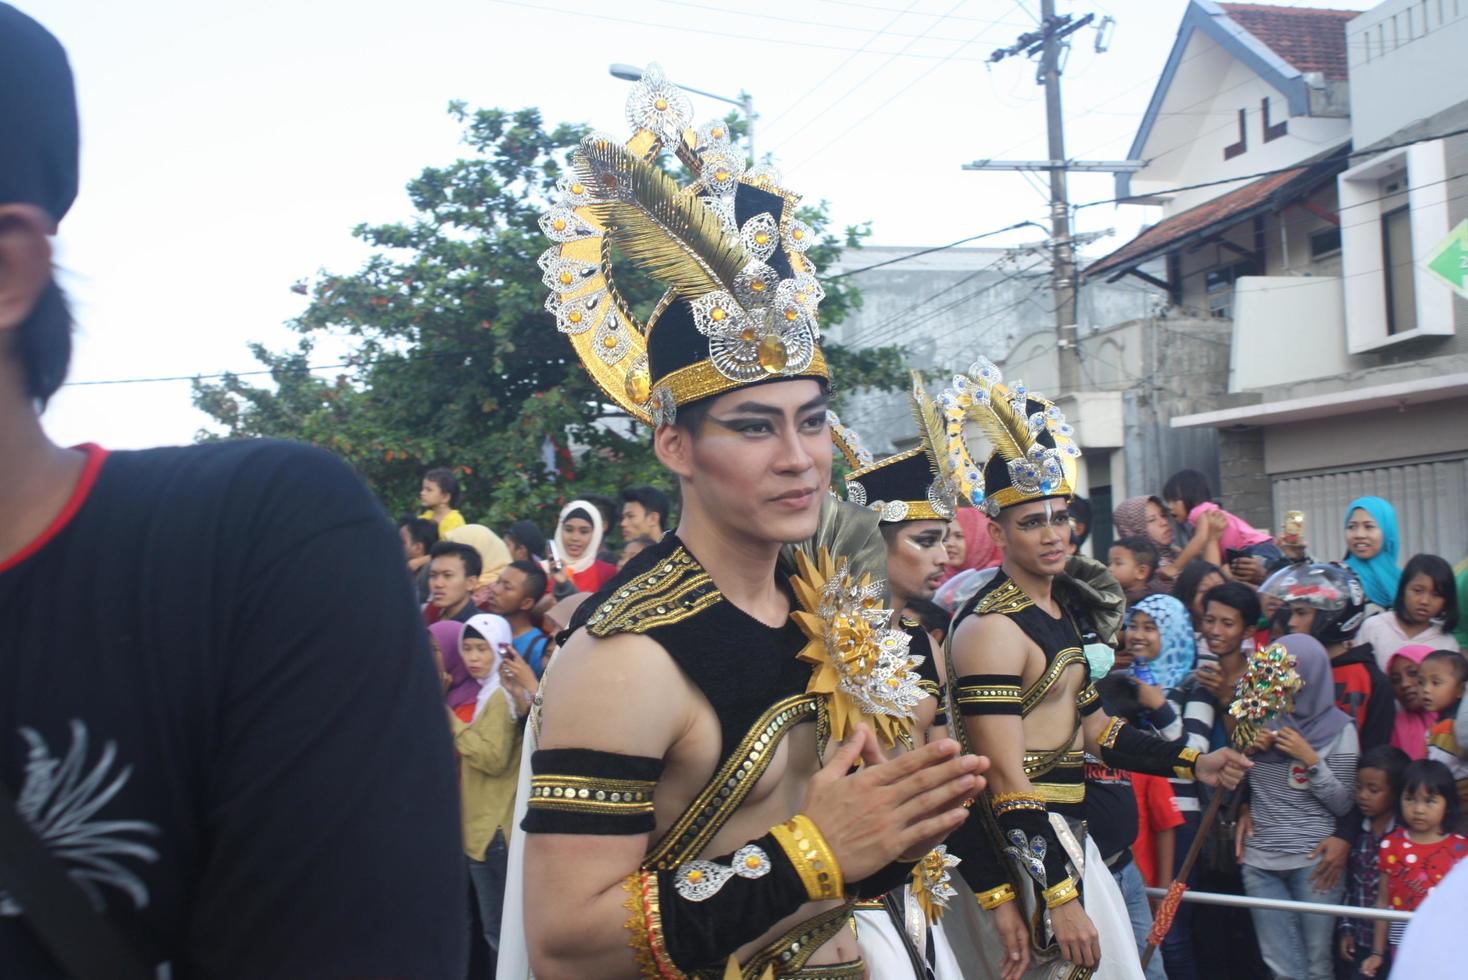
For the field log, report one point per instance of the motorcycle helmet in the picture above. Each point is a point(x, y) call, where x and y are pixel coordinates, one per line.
point(1331, 589)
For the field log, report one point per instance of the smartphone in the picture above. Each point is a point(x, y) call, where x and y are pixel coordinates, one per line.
point(1292, 531)
point(1232, 555)
point(554, 554)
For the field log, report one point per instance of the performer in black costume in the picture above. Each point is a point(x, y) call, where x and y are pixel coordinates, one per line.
point(692, 809)
point(1021, 659)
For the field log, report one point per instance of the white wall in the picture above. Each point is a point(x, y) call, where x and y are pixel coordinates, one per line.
point(1199, 117)
point(1286, 329)
point(1407, 63)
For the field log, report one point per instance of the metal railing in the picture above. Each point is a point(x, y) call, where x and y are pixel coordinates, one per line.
point(1286, 905)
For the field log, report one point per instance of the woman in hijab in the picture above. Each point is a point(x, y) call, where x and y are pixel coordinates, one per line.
point(493, 555)
point(461, 689)
point(1161, 649)
point(489, 767)
point(1372, 544)
point(574, 565)
point(969, 543)
point(1303, 778)
point(1409, 729)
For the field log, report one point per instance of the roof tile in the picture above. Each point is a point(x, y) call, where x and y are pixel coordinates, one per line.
point(1310, 38)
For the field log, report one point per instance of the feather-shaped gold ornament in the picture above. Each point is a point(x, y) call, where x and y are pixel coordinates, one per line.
point(665, 231)
point(931, 427)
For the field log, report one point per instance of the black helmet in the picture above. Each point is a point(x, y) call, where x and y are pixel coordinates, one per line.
point(1331, 589)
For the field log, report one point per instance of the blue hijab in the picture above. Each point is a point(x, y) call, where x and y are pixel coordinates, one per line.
point(1179, 648)
point(1380, 575)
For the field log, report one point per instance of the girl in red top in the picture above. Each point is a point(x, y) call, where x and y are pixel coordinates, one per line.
point(1420, 852)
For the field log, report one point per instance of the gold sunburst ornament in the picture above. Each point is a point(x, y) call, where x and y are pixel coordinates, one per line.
point(861, 665)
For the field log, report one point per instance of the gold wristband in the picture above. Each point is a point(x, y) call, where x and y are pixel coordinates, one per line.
point(1188, 758)
point(803, 844)
point(995, 897)
point(1057, 895)
point(1006, 802)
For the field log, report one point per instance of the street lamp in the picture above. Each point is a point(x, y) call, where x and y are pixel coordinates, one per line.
point(631, 73)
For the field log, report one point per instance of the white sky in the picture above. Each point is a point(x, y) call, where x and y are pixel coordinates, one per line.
point(228, 149)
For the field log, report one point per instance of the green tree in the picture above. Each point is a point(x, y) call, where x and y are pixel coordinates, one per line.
point(454, 360)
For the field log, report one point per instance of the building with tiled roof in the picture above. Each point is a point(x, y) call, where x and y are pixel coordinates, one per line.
point(1310, 167)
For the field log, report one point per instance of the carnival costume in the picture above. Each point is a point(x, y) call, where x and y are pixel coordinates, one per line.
point(901, 933)
point(739, 309)
point(1047, 857)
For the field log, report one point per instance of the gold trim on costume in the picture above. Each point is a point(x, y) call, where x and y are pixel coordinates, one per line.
point(1060, 792)
point(790, 952)
point(1005, 802)
point(988, 694)
point(1060, 893)
point(724, 793)
point(1036, 692)
point(1189, 770)
point(995, 897)
point(1109, 736)
point(1006, 600)
point(589, 794)
point(673, 591)
point(1087, 697)
point(645, 927)
point(1009, 496)
point(703, 380)
point(802, 842)
point(1038, 763)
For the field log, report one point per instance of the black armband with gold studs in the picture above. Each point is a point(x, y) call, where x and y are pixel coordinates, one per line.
point(988, 694)
point(1123, 747)
point(587, 791)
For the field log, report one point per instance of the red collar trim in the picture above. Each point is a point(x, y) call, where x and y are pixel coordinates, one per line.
point(96, 456)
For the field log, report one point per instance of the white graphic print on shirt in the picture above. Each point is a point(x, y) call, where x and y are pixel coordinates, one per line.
point(60, 798)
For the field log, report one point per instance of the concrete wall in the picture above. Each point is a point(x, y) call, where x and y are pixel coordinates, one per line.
point(1412, 431)
point(1243, 487)
point(1406, 64)
point(948, 308)
point(1286, 329)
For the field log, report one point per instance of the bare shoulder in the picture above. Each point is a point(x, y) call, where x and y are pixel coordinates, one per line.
point(620, 693)
point(989, 644)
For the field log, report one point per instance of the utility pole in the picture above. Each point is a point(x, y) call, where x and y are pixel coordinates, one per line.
point(1063, 268)
point(1048, 43)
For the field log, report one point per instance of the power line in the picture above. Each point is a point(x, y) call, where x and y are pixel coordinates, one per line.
point(829, 25)
point(928, 251)
point(762, 39)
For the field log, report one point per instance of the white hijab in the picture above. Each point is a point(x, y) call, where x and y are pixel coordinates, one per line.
point(584, 562)
point(497, 631)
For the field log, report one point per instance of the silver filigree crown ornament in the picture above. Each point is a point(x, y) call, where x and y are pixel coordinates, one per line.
point(882, 677)
point(758, 324)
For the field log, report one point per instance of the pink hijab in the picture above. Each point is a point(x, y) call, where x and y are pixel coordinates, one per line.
point(1409, 730)
point(463, 689)
point(979, 549)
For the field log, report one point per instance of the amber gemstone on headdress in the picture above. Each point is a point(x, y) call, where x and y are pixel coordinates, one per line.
point(773, 355)
point(639, 386)
point(661, 104)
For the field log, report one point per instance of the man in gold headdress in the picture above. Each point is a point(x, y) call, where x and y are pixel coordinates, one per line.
point(1021, 659)
point(692, 810)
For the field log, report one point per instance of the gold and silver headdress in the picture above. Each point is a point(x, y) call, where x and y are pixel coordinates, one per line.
point(1034, 449)
point(741, 297)
point(911, 485)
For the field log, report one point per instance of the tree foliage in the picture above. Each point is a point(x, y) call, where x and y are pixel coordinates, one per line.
point(454, 361)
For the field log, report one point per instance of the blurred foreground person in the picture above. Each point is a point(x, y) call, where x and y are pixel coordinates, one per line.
point(222, 746)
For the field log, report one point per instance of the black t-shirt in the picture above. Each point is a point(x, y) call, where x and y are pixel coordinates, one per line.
point(1111, 811)
point(218, 708)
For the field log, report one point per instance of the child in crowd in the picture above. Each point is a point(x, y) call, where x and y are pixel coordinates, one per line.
point(1424, 610)
point(1303, 779)
point(489, 766)
point(1444, 673)
point(1189, 498)
point(633, 548)
point(1418, 854)
point(1413, 720)
point(1378, 786)
point(1161, 653)
point(1133, 562)
point(439, 495)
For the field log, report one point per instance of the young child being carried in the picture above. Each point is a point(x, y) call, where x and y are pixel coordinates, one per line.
point(1418, 854)
point(1444, 676)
